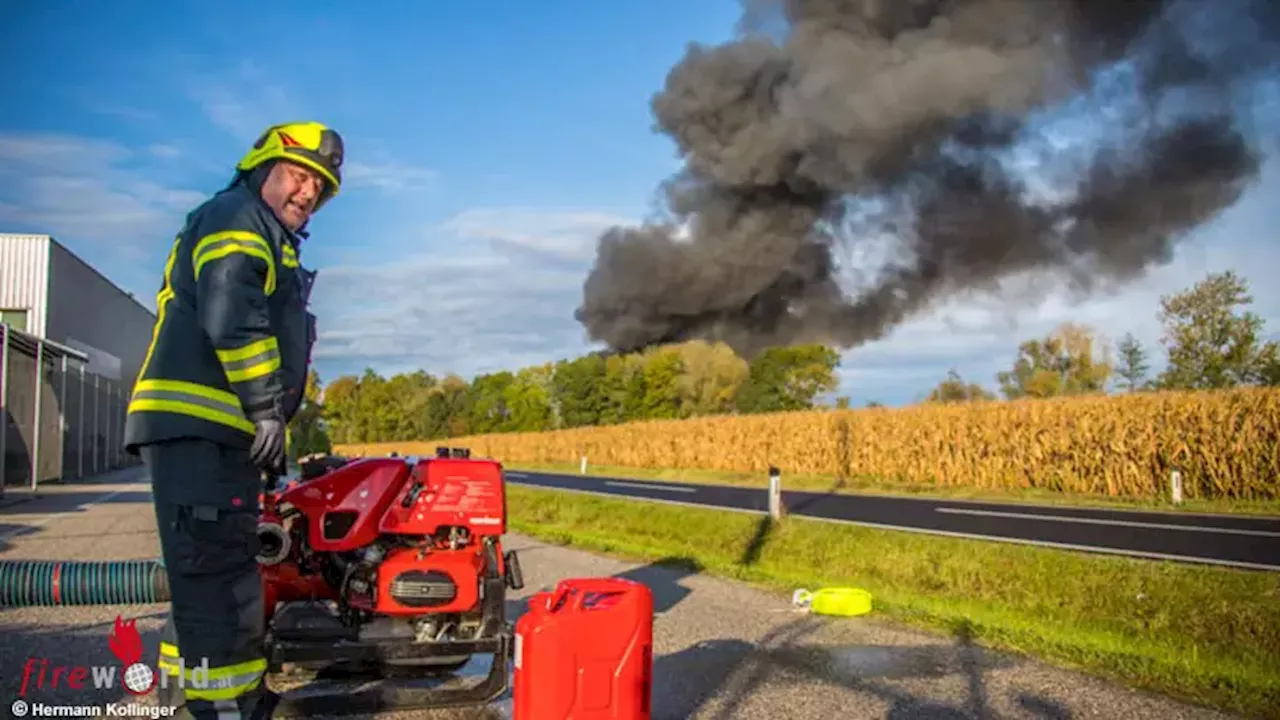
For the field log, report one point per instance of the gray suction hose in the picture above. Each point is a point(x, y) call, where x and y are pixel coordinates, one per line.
point(28, 583)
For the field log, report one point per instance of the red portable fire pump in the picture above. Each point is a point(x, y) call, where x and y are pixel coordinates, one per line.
point(379, 562)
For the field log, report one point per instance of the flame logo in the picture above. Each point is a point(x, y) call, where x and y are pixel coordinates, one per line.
point(125, 642)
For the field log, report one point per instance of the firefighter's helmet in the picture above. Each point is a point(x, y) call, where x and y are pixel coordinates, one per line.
point(310, 144)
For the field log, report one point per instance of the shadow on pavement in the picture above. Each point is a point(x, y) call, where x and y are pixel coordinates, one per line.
point(26, 514)
point(32, 516)
point(720, 676)
point(1043, 707)
point(69, 501)
point(663, 578)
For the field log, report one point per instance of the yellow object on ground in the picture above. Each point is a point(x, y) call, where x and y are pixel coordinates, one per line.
point(834, 601)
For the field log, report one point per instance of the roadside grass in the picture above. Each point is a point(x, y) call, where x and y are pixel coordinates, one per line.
point(874, 486)
point(1202, 634)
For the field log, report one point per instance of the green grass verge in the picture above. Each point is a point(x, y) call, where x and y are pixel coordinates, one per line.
point(1202, 634)
point(874, 486)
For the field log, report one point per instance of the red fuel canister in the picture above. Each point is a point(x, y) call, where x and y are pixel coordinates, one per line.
point(585, 652)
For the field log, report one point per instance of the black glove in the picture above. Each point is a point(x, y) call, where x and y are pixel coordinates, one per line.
point(268, 451)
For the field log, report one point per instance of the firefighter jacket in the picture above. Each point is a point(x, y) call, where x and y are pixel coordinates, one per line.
point(233, 337)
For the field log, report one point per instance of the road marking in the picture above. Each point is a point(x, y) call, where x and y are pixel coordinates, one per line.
point(637, 498)
point(1100, 521)
point(647, 486)
point(1056, 545)
point(944, 533)
point(55, 516)
point(621, 484)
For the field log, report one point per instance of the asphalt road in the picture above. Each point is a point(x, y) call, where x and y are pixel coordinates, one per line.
point(1247, 542)
point(722, 650)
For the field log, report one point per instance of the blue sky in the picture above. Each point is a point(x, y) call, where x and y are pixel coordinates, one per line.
point(488, 144)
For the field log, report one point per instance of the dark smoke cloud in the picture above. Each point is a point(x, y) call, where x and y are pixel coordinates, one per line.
point(983, 138)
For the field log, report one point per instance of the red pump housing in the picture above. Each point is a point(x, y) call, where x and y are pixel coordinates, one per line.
point(389, 561)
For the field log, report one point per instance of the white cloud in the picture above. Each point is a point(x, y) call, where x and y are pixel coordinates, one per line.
point(564, 234)
point(84, 188)
point(387, 176)
point(124, 112)
point(41, 152)
point(161, 150)
point(500, 294)
point(246, 101)
point(242, 101)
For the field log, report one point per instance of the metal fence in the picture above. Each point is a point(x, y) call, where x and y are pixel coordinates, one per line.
point(60, 421)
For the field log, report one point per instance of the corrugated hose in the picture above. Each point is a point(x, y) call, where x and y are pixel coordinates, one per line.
point(28, 583)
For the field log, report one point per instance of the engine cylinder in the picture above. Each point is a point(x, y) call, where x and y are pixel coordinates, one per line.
point(275, 543)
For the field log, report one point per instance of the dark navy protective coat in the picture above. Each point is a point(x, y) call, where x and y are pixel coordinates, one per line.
point(233, 337)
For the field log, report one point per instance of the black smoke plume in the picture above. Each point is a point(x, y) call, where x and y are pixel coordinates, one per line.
point(978, 139)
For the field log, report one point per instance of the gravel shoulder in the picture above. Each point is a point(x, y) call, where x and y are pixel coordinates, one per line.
point(722, 649)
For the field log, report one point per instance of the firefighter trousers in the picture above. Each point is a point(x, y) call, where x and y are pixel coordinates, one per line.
point(211, 661)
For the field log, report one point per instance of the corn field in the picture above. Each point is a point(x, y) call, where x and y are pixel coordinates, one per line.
point(1225, 443)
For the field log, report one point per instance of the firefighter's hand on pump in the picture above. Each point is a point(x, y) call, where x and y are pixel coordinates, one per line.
point(268, 448)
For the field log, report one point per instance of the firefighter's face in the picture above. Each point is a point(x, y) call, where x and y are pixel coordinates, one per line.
point(292, 191)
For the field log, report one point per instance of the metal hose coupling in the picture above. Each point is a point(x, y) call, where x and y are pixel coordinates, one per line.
point(274, 543)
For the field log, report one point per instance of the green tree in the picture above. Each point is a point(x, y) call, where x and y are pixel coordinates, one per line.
point(1271, 371)
point(457, 393)
point(375, 416)
point(1209, 342)
point(955, 389)
point(636, 388)
point(1131, 363)
point(787, 378)
point(614, 388)
point(307, 432)
point(579, 390)
point(712, 374)
point(339, 409)
point(1066, 362)
point(489, 410)
point(662, 370)
point(528, 398)
point(403, 411)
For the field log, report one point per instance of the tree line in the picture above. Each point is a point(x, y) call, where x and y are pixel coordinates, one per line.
point(672, 381)
point(1209, 343)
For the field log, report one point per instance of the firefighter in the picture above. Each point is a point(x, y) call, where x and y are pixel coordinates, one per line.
point(222, 377)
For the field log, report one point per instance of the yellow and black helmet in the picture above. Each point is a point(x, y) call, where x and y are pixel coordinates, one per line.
point(306, 143)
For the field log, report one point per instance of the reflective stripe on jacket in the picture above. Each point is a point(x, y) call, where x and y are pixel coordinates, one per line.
point(232, 338)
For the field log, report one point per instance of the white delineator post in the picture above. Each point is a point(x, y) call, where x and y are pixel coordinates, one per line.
point(775, 493)
point(1175, 486)
point(583, 469)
